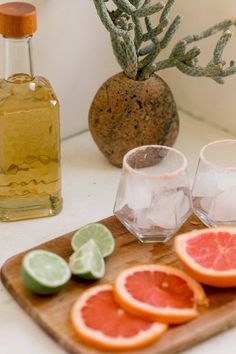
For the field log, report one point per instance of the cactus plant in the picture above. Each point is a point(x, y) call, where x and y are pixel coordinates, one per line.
point(136, 107)
point(138, 59)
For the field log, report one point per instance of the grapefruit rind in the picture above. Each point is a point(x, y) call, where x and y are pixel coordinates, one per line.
point(166, 315)
point(211, 277)
point(102, 341)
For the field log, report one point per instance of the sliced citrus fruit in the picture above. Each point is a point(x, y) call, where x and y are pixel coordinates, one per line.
point(159, 292)
point(88, 262)
point(100, 321)
point(44, 272)
point(209, 255)
point(99, 233)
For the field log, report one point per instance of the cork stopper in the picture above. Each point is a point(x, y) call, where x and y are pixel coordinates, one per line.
point(17, 19)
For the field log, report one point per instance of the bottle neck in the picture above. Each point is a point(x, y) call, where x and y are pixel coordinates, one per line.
point(18, 59)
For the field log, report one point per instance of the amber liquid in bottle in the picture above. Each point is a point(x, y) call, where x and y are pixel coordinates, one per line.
point(30, 177)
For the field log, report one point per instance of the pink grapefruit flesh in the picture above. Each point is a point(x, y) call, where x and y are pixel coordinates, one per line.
point(100, 321)
point(159, 292)
point(209, 255)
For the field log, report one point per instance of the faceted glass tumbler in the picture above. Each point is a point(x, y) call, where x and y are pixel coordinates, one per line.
point(153, 198)
point(214, 187)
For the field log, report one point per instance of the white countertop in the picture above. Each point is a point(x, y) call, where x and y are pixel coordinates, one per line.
point(89, 188)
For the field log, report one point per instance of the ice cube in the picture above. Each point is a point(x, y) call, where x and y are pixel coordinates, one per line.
point(168, 208)
point(138, 192)
point(224, 206)
point(142, 220)
point(206, 203)
point(205, 184)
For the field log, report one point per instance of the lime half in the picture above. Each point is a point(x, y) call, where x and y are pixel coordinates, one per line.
point(99, 233)
point(44, 272)
point(87, 262)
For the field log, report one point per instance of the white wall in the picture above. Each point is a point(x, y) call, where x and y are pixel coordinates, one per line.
point(72, 49)
point(203, 97)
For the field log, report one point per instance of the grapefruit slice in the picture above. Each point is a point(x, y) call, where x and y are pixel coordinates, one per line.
point(159, 293)
point(209, 255)
point(100, 321)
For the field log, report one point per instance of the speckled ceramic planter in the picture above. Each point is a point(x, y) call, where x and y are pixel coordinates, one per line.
point(125, 114)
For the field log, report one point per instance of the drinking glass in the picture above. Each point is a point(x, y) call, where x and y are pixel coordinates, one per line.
point(153, 198)
point(214, 188)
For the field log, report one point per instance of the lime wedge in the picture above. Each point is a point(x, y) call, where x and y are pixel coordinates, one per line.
point(44, 272)
point(97, 232)
point(87, 262)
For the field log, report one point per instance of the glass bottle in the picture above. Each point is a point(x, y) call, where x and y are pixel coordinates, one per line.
point(30, 177)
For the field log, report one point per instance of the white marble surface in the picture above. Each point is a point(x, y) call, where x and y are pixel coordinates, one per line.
point(89, 187)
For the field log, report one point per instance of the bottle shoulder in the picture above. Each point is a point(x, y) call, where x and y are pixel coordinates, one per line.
point(36, 92)
point(44, 82)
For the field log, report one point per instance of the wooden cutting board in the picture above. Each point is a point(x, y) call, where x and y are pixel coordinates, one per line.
point(52, 312)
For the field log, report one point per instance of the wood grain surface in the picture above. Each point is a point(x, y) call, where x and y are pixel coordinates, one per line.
point(52, 312)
